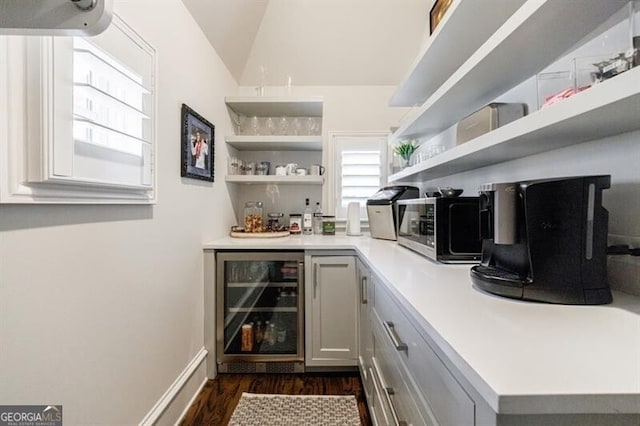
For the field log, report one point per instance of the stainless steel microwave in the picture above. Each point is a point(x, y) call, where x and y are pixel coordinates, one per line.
point(445, 229)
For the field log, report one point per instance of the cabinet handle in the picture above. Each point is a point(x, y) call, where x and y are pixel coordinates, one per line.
point(315, 279)
point(388, 392)
point(363, 291)
point(395, 339)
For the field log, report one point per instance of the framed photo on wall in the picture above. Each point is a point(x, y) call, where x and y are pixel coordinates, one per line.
point(437, 12)
point(197, 145)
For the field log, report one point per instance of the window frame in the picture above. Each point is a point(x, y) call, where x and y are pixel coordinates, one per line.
point(333, 156)
point(38, 109)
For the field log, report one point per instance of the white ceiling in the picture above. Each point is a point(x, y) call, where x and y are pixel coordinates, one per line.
point(316, 42)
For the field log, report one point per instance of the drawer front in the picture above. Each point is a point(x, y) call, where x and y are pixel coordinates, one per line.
point(396, 387)
point(378, 408)
point(448, 400)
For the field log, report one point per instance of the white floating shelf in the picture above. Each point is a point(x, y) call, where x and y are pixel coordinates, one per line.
point(272, 179)
point(532, 38)
point(465, 26)
point(265, 106)
point(275, 143)
point(606, 109)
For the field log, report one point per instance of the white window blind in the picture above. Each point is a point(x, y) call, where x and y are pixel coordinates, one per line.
point(80, 127)
point(111, 114)
point(360, 162)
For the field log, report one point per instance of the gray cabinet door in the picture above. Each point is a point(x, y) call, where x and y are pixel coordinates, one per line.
point(332, 314)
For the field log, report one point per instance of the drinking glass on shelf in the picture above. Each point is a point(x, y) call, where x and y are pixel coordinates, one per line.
point(233, 166)
point(311, 126)
point(269, 126)
point(283, 126)
point(250, 168)
point(243, 123)
point(437, 149)
point(254, 125)
point(297, 127)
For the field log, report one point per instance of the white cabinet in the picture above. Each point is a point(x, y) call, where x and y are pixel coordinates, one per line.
point(516, 51)
point(331, 316)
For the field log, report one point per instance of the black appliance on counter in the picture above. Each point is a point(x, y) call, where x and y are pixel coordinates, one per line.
point(444, 229)
point(381, 210)
point(545, 240)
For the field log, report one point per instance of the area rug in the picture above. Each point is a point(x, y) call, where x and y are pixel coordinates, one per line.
point(299, 410)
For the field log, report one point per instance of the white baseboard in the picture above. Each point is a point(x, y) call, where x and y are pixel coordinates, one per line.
point(191, 401)
point(154, 415)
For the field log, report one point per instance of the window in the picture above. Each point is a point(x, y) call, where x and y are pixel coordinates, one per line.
point(111, 122)
point(360, 161)
point(88, 126)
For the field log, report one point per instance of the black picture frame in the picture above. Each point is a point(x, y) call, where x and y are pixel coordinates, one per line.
point(437, 13)
point(197, 159)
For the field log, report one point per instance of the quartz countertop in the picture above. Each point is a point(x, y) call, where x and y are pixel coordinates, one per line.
point(521, 357)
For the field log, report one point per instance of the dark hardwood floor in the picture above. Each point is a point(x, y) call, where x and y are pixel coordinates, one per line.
point(219, 397)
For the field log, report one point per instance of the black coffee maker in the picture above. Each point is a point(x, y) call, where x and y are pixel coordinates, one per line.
point(545, 240)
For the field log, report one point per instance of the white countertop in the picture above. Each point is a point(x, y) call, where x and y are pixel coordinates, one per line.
point(521, 357)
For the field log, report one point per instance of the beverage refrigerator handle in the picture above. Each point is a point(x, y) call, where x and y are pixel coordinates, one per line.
point(300, 276)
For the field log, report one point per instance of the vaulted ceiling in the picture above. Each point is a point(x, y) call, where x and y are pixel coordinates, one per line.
point(316, 42)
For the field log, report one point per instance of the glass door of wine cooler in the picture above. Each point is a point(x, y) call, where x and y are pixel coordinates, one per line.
point(259, 308)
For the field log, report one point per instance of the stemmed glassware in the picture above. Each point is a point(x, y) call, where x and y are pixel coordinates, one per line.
point(283, 125)
point(311, 126)
point(254, 125)
point(270, 127)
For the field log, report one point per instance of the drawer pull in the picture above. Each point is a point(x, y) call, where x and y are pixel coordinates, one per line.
point(315, 279)
point(363, 291)
point(391, 331)
point(388, 392)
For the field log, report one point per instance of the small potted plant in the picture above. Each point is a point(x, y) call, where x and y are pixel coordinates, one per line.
point(405, 150)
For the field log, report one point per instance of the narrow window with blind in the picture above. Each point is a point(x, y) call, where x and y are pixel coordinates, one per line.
point(111, 122)
point(361, 167)
point(89, 112)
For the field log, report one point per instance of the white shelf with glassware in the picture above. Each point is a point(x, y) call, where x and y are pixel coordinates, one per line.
point(266, 106)
point(263, 125)
point(275, 143)
point(608, 108)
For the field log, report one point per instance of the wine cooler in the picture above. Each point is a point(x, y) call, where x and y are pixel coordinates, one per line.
point(260, 312)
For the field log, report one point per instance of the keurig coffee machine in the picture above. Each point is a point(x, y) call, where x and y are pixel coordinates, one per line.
point(545, 240)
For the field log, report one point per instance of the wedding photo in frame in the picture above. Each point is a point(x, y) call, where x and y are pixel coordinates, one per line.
point(197, 146)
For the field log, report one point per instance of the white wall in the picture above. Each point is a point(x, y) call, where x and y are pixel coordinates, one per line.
point(101, 307)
